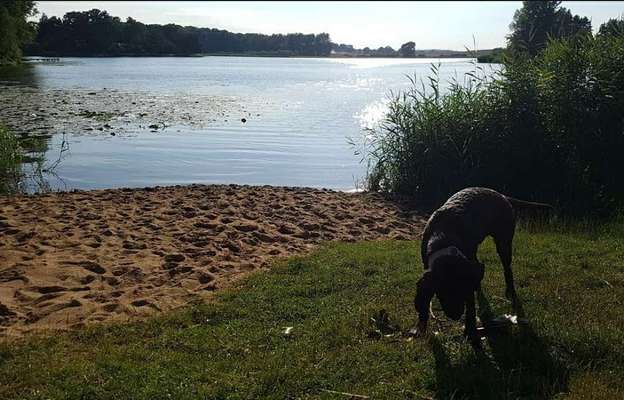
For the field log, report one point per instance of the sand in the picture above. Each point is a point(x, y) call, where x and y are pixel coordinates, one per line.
point(83, 257)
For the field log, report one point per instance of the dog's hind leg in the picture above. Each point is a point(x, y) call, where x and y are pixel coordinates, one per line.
point(431, 311)
point(503, 248)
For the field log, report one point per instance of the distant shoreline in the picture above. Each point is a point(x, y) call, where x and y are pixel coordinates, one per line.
point(57, 56)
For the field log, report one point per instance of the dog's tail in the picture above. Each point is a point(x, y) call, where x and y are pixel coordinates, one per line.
point(519, 204)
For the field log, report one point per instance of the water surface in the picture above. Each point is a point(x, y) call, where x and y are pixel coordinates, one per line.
point(299, 113)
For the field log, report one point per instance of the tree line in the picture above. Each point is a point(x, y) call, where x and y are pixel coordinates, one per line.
point(95, 32)
point(408, 49)
point(14, 28)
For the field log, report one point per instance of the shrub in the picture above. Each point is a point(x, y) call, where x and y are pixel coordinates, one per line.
point(548, 128)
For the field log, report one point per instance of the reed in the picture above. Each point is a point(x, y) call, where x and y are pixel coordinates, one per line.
point(10, 162)
point(548, 128)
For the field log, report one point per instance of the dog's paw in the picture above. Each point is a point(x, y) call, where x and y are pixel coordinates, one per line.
point(474, 337)
point(515, 302)
point(413, 332)
point(418, 331)
point(477, 344)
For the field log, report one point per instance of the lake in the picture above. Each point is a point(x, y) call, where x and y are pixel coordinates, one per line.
point(298, 115)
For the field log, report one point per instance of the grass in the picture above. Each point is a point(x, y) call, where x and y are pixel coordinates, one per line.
point(571, 284)
point(99, 116)
point(10, 161)
point(23, 164)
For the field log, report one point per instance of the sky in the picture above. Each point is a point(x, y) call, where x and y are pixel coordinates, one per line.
point(432, 25)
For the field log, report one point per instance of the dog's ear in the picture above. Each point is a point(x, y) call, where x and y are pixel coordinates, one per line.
point(424, 294)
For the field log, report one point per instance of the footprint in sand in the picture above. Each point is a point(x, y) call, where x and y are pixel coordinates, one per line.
point(111, 280)
point(88, 265)
point(48, 289)
point(250, 241)
point(263, 237)
point(110, 307)
point(23, 237)
point(5, 314)
point(287, 229)
point(204, 206)
point(205, 277)
point(382, 229)
point(46, 297)
point(12, 274)
point(174, 258)
point(144, 303)
point(128, 245)
point(52, 308)
point(209, 287)
point(69, 304)
point(310, 226)
point(179, 270)
point(85, 280)
point(245, 226)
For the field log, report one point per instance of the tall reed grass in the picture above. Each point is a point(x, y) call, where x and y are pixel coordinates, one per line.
point(548, 128)
point(10, 162)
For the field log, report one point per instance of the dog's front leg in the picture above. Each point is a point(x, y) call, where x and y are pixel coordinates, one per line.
point(422, 303)
point(423, 317)
point(470, 329)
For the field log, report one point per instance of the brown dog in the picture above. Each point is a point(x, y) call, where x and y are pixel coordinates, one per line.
point(449, 252)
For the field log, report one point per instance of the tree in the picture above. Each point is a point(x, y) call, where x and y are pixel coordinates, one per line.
point(15, 30)
point(537, 21)
point(95, 32)
point(385, 51)
point(613, 27)
point(408, 49)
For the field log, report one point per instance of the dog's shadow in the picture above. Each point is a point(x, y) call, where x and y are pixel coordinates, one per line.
point(520, 365)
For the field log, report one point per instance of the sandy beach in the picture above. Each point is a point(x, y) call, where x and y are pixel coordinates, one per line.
point(75, 258)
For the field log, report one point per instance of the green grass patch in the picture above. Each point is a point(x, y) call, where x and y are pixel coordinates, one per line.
point(10, 161)
point(100, 116)
point(571, 286)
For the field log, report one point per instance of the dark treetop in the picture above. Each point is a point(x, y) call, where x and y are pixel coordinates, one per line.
point(96, 33)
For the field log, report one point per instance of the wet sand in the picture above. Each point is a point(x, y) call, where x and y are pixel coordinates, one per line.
point(76, 258)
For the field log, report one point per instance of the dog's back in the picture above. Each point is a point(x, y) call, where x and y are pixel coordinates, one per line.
point(474, 213)
point(470, 215)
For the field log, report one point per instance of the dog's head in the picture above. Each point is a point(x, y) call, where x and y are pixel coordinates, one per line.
point(452, 279)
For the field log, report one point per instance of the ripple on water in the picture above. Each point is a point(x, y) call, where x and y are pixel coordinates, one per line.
point(298, 115)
